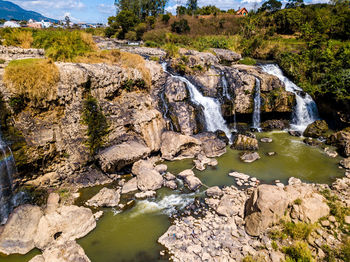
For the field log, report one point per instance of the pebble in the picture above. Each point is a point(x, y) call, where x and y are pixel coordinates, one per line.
point(332, 219)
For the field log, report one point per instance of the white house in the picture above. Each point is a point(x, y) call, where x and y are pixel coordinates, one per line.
point(12, 24)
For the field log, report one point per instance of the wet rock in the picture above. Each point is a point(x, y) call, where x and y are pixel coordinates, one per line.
point(72, 222)
point(170, 184)
point(214, 191)
point(148, 179)
point(330, 152)
point(116, 157)
point(243, 142)
point(212, 146)
point(271, 153)
point(345, 163)
point(177, 146)
point(295, 133)
point(222, 136)
point(161, 168)
point(146, 194)
point(242, 176)
point(275, 124)
point(130, 186)
point(169, 176)
point(184, 118)
point(249, 157)
point(191, 181)
point(105, 198)
point(341, 140)
point(175, 90)
point(60, 251)
point(226, 56)
point(265, 207)
point(316, 129)
point(19, 232)
point(266, 140)
point(311, 141)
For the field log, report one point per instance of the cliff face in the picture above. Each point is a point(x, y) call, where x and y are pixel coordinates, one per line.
point(55, 137)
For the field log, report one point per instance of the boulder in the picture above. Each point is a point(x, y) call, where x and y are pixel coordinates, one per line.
point(69, 222)
point(345, 163)
point(331, 153)
point(175, 90)
point(191, 181)
point(226, 55)
point(242, 176)
point(266, 140)
point(226, 206)
point(311, 141)
point(249, 157)
point(316, 129)
point(184, 117)
point(214, 191)
point(161, 168)
point(130, 186)
point(243, 142)
point(146, 194)
point(60, 251)
point(148, 179)
point(275, 124)
point(170, 184)
point(116, 157)
point(169, 176)
point(341, 140)
point(295, 133)
point(265, 207)
point(176, 146)
point(105, 198)
point(212, 146)
point(18, 235)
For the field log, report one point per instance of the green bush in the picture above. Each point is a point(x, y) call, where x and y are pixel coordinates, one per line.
point(131, 35)
point(180, 26)
point(299, 252)
point(165, 18)
point(171, 49)
point(298, 231)
point(247, 61)
point(2, 61)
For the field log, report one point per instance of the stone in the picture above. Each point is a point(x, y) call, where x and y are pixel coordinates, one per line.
point(311, 141)
point(185, 173)
point(98, 215)
point(18, 235)
point(264, 208)
point(341, 140)
point(170, 184)
point(169, 176)
point(146, 194)
point(330, 152)
point(130, 186)
point(345, 163)
point(347, 219)
point(226, 55)
point(316, 129)
point(325, 223)
point(274, 124)
point(266, 140)
point(243, 142)
point(116, 157)
point(52, 203)
point(192, 182)
point(332, 219)
point(295, 133)
point(71, 222)
point(249, 157)
point(239, 175)
point(176, 146)
point(226, 206)
point(161, 168)
point(148, 179)
point(105, 198)
point(271, 153)
point(214, 191)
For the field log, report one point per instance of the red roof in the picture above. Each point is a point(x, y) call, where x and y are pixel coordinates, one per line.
point(242, 11)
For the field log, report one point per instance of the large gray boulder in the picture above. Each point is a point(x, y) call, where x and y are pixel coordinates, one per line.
point(148, 178)
point(176, 146)
point(105, 198)
point(243, 142)
point(226, 55)
point(265, 207)
point(212, 146)
point(19, 232)
point(116, 157)
point(191, 181)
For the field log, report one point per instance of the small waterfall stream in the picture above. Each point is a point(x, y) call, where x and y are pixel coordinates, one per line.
point(305, 111)
point(257, 104)
point(211, 107)
point(7, 169)
point(226, 94)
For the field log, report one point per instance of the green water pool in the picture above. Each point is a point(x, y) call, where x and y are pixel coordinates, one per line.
point(132, 235)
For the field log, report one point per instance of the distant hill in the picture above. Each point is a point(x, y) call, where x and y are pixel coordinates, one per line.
point(10, 11)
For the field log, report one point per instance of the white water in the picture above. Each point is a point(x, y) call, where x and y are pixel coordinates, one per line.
point(7, 169)
point(257, 105)
point(211, 107)
point(225, 87)
point(305, 111)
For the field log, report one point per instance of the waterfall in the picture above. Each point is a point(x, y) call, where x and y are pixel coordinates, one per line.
point(211, 107)
point(7, 169)
point(305, 111)
point(225, 87)
point(257, 104)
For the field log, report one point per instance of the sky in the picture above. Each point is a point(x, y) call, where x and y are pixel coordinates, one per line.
point(97, 11)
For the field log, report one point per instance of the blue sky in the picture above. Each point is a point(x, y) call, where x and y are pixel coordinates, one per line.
point(100, 10)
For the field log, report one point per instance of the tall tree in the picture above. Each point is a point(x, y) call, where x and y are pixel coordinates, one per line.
point(141, 8)
point(294, 3)
point(192, 6)
point(271, 6)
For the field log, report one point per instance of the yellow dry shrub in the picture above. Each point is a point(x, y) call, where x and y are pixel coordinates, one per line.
point(105, 56)
point(19, 38)
point(88, 39)
point(35, 79)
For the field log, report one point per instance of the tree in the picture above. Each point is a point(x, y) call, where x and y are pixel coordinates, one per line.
point(67, 19)
point(142, 8)
point(294, 3)
point(192, 6)
point(126, 20)
point(181, 10)
point(270, 6)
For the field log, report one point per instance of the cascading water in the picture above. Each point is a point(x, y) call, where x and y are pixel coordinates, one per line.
point(257, 104)
point(226, 94)
point(7, 169)
point(305, 111)
point(211, 107)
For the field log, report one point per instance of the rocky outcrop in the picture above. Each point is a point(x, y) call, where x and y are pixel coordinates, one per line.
point(177, 146)
point(212, 146)
point(341, 140)
point(148, 178)
point(345, 163)
point(13, 53)
point(275, 124)
point(226, 56)
point(249, 157)
point(105, 198)
point(316, 129)
point(242, 142)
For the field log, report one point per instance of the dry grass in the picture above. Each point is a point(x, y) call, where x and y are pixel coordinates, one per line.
point(19, 38)
point(35, 79)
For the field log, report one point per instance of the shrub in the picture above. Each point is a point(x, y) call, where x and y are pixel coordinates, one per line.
point(165, 18)
point(140, 29)
point(247, 61)
point(35, 79)
point(63, 45)
point(2, 61)
point(180, 26)
point(131, 35)
point(299, 252)
point(18, 37)
point(171, 49)
point(104, 56)
point(151, 44)
point(298, 231)
point(97, 124)
point(157, 36)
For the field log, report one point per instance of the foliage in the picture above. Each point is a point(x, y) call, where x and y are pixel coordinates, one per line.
point(104, 56)
point(299, 252)
point(165, 18)
point(33, 79)
point(171, 49)
point(192, 6)
point(142, 9)
point(271, 6)
point(298, 231)
point(63, 45)
point(125, 20)
point(2, 61)
point(180, 26)
point(17, 37)
point(96, 122)
point(247, 61)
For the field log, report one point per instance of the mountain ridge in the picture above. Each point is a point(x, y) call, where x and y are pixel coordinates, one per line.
point(9, 10)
